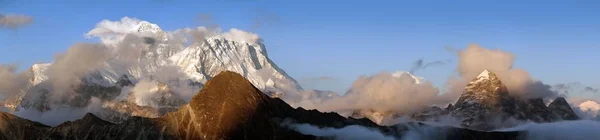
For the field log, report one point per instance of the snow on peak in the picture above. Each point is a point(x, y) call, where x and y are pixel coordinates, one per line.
point(418, 80)
point(112, 32)
point(145, 26)
point(485, 74)
point(38, 72)
point(241, 36)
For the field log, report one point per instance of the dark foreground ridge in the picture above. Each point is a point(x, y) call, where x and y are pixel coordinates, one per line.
point(228, 107)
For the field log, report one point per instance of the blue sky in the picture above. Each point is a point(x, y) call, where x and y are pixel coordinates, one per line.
point(555, 41)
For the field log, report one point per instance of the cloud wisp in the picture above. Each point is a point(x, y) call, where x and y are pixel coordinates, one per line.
point(14, 21)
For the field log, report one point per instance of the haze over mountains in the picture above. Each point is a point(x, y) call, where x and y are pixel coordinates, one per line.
point(140, 76)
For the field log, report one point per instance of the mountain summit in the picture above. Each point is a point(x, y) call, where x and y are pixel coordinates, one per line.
point(486, 101)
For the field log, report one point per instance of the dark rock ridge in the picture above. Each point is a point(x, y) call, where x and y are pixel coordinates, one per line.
point(228, 107)
point(561, 108)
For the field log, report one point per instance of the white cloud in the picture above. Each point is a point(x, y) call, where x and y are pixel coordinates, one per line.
point(351, 132)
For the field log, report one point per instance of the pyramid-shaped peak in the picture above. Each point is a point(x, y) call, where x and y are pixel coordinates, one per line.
point(559, 101)
point(562, 109)
point(486, 74)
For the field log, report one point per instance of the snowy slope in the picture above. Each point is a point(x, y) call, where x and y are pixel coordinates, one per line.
point(39, 73)
point(202, 61)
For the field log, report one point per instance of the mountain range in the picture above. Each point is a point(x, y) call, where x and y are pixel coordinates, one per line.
point(242, 93)
point(228, 107)
point(163, 68)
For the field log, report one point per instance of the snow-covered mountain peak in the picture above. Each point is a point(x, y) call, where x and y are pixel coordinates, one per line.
point(113, 32)
point(38, 73)
point(418, 80)
point(484, 75)
point(145, 26)
point(242, 36)
point(201, 61)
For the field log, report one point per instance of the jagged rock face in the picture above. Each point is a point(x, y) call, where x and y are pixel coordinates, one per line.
point(533, 110)
point(204, 60)
point(431, 113)
point(562, 109)
point(485, 99)
point(449, 107)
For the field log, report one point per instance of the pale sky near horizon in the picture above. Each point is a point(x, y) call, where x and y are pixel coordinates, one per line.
point(555, 41)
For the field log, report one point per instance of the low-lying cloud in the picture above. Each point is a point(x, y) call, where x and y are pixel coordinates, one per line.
point(565, 130)
point(59, 115)
point(79, 60)
point(351, 132)
point(383, 92)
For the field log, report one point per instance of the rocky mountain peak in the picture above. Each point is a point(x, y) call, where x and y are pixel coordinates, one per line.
point(230, 107)
point(485, 89)
point(228, 104)
point(485, 79)
point(484, 99)
point(561, 108)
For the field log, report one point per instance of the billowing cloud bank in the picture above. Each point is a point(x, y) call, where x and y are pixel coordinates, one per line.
point(352, 132)
point(566, 130)
point(384, 92)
